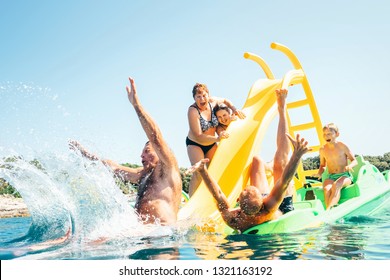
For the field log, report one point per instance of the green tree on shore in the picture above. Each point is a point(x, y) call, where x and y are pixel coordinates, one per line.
point(6, 188)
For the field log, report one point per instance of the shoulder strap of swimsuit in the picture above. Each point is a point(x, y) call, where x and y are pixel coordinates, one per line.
point(211, 113)
point(196, 107)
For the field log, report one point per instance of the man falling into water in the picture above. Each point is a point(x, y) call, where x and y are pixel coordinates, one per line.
point(159, 179)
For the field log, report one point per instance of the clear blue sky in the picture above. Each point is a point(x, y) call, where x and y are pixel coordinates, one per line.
point(64, 67)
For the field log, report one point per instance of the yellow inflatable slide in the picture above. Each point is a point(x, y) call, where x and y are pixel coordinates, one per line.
point(231, 163)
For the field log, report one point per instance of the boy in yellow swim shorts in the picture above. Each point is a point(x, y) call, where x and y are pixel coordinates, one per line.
point(335, 155)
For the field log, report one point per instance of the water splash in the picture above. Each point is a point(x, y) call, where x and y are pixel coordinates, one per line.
point(30, 117)
point(60, 189)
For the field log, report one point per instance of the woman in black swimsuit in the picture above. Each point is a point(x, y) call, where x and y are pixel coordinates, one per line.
point(201, 140)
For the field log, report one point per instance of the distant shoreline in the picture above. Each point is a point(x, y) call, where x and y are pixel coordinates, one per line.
point(12, 207)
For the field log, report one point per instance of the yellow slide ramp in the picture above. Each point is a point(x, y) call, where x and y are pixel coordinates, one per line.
point(231, 163)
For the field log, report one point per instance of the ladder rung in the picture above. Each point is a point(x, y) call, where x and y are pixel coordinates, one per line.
point(310, 173)
point(297, 104)
point(319, 184)
point(304, 126)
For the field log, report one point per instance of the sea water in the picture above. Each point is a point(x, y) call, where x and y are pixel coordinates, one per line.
point(358, 238)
